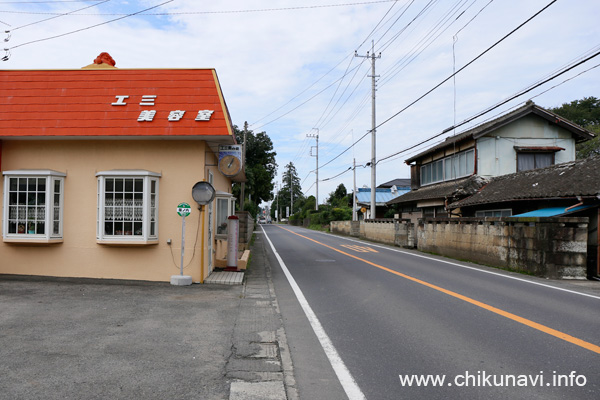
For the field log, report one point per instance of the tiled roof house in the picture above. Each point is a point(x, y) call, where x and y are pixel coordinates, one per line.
point(526, 138)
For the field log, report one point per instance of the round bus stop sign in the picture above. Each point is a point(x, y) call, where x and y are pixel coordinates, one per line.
point(184, 209)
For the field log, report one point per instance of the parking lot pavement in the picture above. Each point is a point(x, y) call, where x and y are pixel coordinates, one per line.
point(62, 339)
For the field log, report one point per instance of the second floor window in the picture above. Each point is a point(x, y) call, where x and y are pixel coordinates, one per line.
point(527, 161)
point(449, 168)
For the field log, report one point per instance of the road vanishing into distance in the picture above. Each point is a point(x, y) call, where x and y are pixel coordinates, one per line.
point(372, 321)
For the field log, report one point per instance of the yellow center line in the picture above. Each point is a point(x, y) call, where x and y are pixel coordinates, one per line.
point(524, 321)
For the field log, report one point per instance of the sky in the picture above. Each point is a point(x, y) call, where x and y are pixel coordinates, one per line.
point(295, 69)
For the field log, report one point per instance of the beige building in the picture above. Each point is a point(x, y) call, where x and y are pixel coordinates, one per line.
point(95, 162)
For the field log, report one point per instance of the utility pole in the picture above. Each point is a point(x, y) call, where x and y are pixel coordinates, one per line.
point(373, 57)
point(291, 193)
point(317, 170)
point(243, 164)
point(354, 214)
point(277, 207)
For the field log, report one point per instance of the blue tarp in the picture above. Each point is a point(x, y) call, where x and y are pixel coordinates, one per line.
point(552, 211)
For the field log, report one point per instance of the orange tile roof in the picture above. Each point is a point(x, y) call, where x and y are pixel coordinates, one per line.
point(78, 103)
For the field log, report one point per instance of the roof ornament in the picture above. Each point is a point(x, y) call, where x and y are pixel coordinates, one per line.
point(105, 58)
point(7, 55)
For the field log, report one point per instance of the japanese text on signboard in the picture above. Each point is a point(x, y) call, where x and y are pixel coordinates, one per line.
point(148, 115)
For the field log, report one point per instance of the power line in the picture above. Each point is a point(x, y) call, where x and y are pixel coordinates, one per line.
point(341, 173)
point(546, 79)
point(329, 117)
point(327, 73)
point(299, 94)
point(489, 109)
point(336, 90)
point(380, 21)
point(475, 16)
point(466, 65)
point(60, 15)
point(306, 101)
point(397, 35)
point(46, 2)
point(438, 85)
point(426, 41)
point(91, 26)
point(368, 164)
point(207, 12)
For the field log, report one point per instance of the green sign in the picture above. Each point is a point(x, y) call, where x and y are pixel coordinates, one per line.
point(184, 209)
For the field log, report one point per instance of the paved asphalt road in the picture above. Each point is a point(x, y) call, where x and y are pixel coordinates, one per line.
point(389, 312)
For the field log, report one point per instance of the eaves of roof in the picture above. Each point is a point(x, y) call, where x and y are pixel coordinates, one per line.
point(437, 191)
point(530, 107)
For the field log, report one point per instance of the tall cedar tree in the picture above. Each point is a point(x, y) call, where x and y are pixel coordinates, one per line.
point(290, 182)
point(260, 166)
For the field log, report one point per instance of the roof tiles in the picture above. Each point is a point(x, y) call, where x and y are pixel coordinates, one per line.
point(79, 102)
point(566, 180)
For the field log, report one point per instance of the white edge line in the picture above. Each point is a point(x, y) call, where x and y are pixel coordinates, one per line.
point(464, 266)
point(347, 381)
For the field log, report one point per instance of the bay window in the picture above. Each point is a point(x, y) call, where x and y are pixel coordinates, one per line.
point(127, 206)
point(33, 205)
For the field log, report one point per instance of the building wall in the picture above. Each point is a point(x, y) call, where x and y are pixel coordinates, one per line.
point(496, 154)
point(181, 163)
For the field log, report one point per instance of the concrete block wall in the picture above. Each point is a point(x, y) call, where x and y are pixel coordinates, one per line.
point(404, 231)
point(382, 230)
point(549, 247)
point(246, 228)
point(390, 231)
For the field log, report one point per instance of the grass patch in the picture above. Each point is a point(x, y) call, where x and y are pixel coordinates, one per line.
point(317, 227)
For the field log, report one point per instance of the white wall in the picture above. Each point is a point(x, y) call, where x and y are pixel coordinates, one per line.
point(496, 154)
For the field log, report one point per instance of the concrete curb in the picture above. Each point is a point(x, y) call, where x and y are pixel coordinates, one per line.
point(260, 365)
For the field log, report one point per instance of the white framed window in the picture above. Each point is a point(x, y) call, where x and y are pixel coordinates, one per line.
point(127, 206)
point(33, 206)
